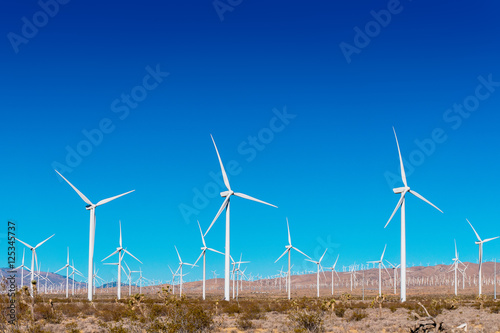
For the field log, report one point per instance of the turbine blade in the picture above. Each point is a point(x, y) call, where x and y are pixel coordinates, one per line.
point(456, 253)
point(44, 241)
point(130, 254)
point(201, 254)
point(224, 175)
point(424, 199)
point(180, 260)
point(479, 238)
point(311, 261)
point(242, 195)
point(288, 227)
point(17, 239)
point(400, 202)
point(224, 205)
point(102, 202)
point(201, 232)
point(87, 201)
point(281, 255)
point(110, 255)
point(214, 250)
point(120, 222)
point(322, 255)
point(490, 239)
point(382, 257)
point(403, 175)
point(338, 255)
point(296, 249)
point(60, 269)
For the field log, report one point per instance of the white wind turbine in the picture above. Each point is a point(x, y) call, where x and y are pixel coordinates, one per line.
point(67, 274)
point(226, 205)
point(203, 253)
point(289, 248)
point(333, 270)
point(480, 243)
point(180, 268)
point(456, 262)
point(33, 258)
point(91, 207)
point(22, 267)
point(395, 268)
point(120, 257)
point(129, 275)
point(318, 263)
point(380, 265)
point(401, 203)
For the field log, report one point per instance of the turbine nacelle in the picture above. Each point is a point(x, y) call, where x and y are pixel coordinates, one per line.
point(401, 189)
point(226, 193)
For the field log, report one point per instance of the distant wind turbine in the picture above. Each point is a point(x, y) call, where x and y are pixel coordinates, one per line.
point(318, 263)
point(91, 207)
point(33, 258)
point(401, 203)
point(289, 248)
point(181, 263)
point(480, 243)
point(333, 270)
point(203, 253)
point(380, 265)
point(226, 204)
point(67, 274)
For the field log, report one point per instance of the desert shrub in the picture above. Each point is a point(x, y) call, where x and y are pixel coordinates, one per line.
point(340, 311)
point(230, 307)
point(118, 329)
point(72, 327)
point(45, 311)
point(357, 315)
point(243, 322)
point(185, 317)
point(307, 321)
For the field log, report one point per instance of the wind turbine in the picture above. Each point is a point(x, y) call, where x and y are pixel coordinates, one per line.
point(67, 274)
point(22, 267)
point(203, 253)
point(480, 243)
point(180, 268)
point(130, 278)
point(455, 267)
point(33, 258)
point(173, 279)
point(236, 270)
point(333, 270)
point(226, 205)
point(395, 268)
point(73, 272)
point(380, 265)
point(289, 248)
point(401, 203)
point(318, 263)
point(91, 207)
point(120, 257)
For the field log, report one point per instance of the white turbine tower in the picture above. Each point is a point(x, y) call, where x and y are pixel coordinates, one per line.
point(401, 203)
point(226, 205)
point(129, 275)
point(91, 207)
point(318, 263)
point(67, 274)
point(33, 258)
point(333, 270)
point(480, 243)
point(180, 268)
point(120, 257)
point(380, 265)
point(289, 248)
point(455, 267)
point(203, 253)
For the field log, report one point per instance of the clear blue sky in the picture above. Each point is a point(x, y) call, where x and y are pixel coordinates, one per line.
point(230, 70)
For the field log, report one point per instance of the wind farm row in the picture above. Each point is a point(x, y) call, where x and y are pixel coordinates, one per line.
point(234, 271)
